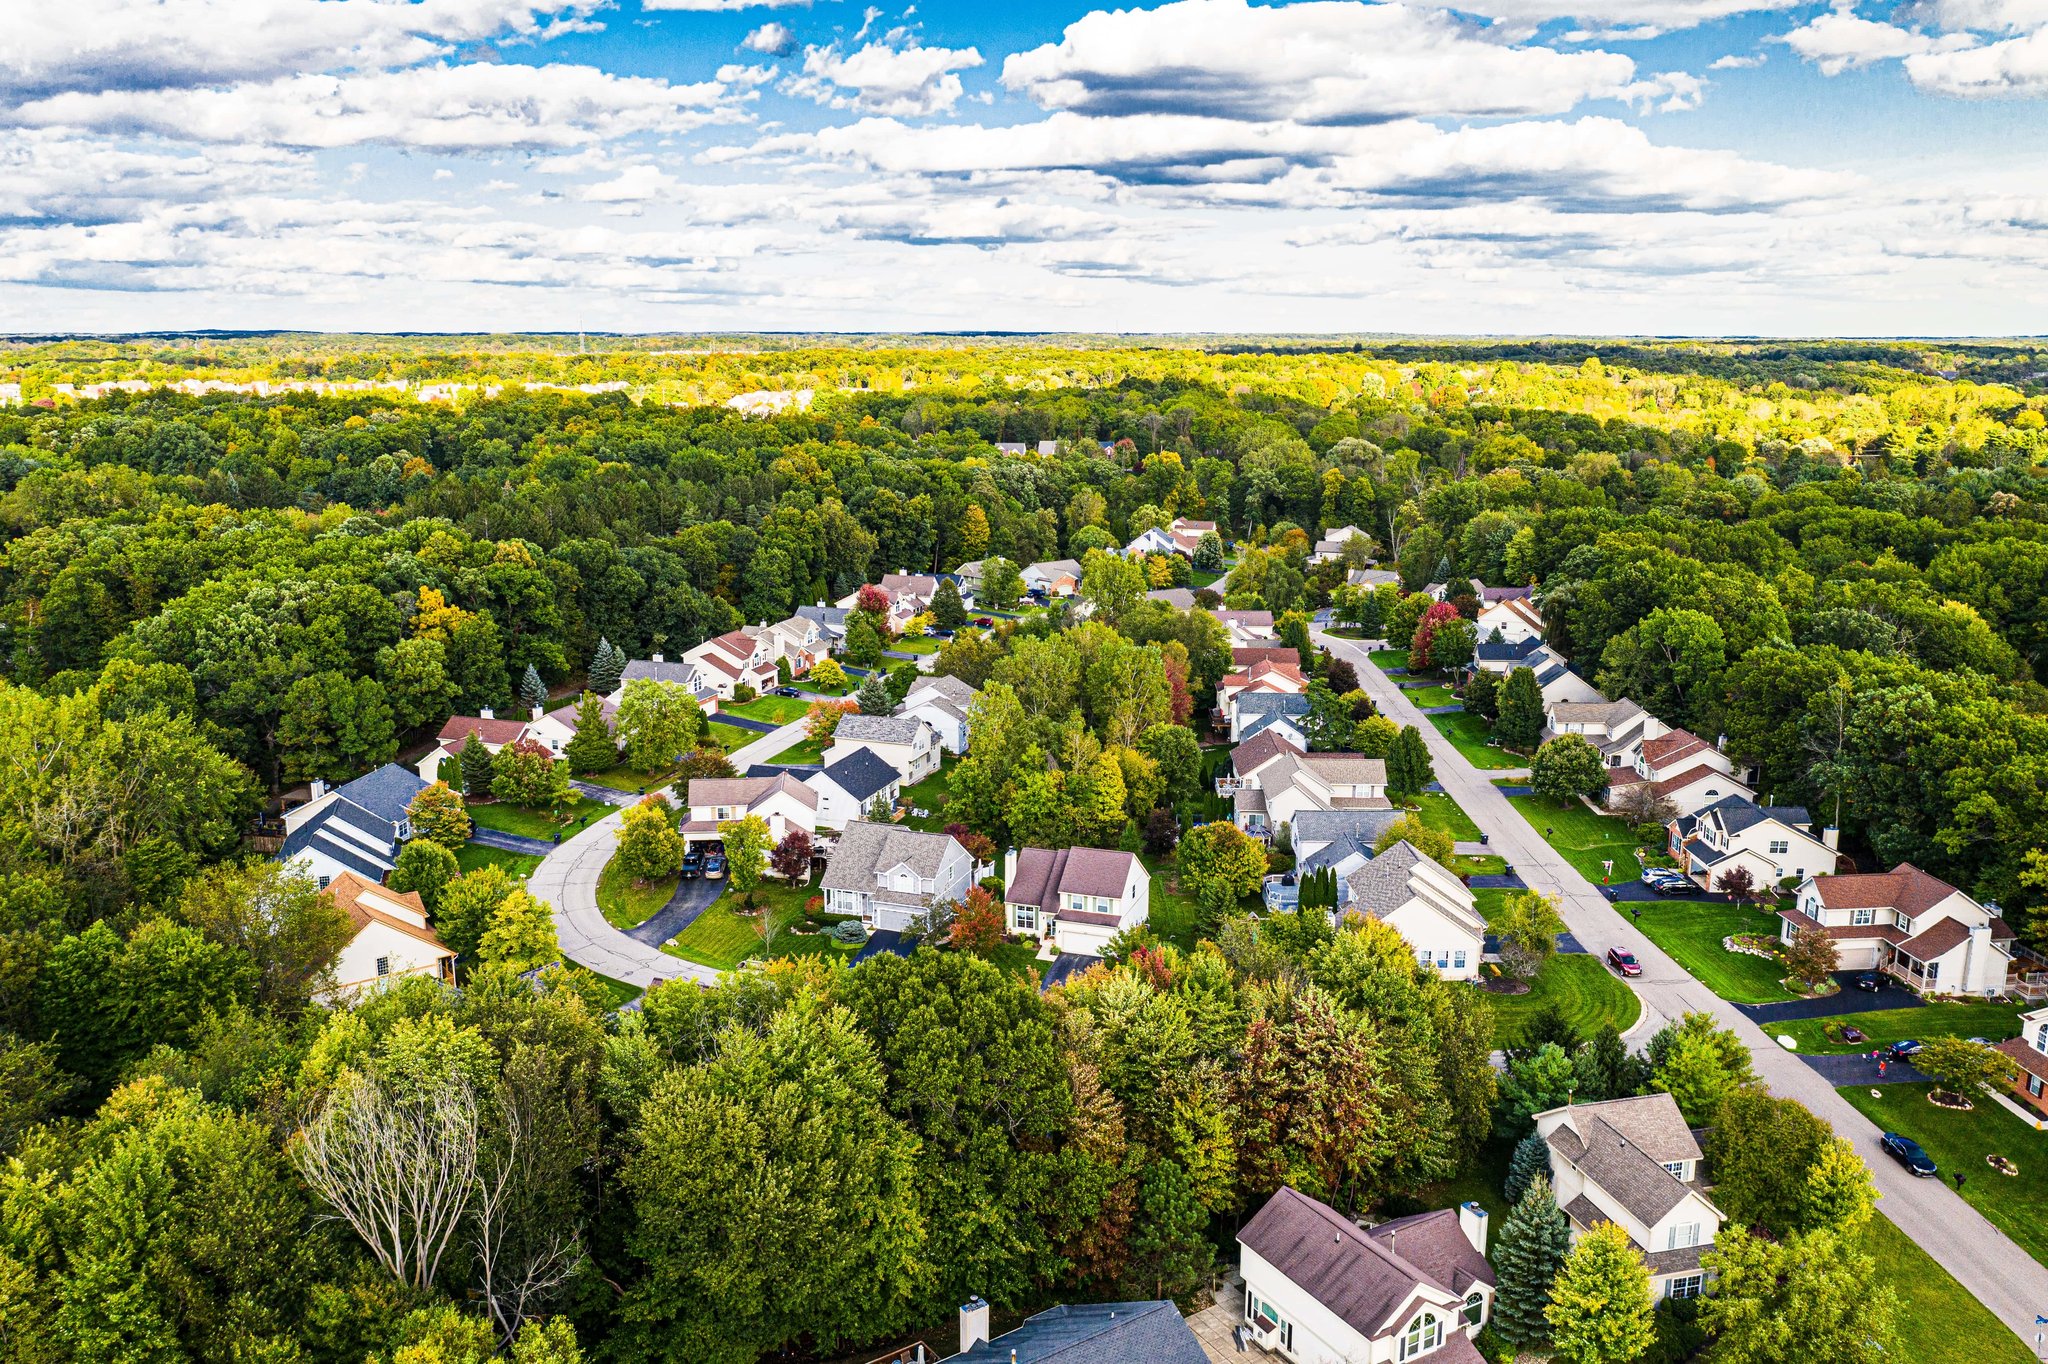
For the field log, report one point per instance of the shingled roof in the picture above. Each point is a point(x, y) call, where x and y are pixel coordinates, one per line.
point(1096, 1333)
point(1044, 874)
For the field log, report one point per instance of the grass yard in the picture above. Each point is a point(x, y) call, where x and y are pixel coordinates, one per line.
point(1584, 838)
point(2016, 1204)
point(931, 795)
point(1174, 915)
point(1490, 901)
point(1973, 1018)
point(1390, 660)
point(774, 710)
point(1439, 811)
point(1480, 864)
point(1468, 733)
point(531, 823)
point(624, 904)
point(1201, 578)
point(918, 644)
point(719, 938)
point(843, 689)
point(629, 779)
point(1432, 696)
point(1589, 995)
point(1691, 931)
point(1939, 1322)
point(1018, 959)
point(804, 752)
point(475, 856)
point(731, 737)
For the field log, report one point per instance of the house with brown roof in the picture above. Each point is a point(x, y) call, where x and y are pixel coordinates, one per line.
point(2030, 1051)
point(392, 940)
point(552, 732)
point(1682, 768)
point(1429, 905)
point(737, 658)
point(1079, 898)
point(1635, 1163)
point(1910, 925)
point(1245, 627)
point(1273, 780)
point(782, 802)
point(1265, 676)
point(1516, 618)
point(1319, 1287)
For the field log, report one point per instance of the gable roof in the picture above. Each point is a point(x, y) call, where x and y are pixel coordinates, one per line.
point(1372, 577)
point(1250, 655)
point(1271, 703)
point(862, 774)
point(1736, 813)
point(1096, 1333)
point(866, 848)
point(1351, 769)
point(1254, 753)
point(1362, 1280)
point(1508, 653)
point(946, 685)
point(1383, 885)
point(456, 730)
point(1264, 618)
point(1493, 594)
point(749, 791)
point(1607, 713)
point(1180, 598)
point(1261, 724)
point(1621, 1145)
point(647, 670)
point(1672, 745)
point(385, 793)
point(340, 842)
point(1052, 568)
point(909, 584)
point(878, 729)
point(355, 894)
point(1044, 874)
point(1905, 888)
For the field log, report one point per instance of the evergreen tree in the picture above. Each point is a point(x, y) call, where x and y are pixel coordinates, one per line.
point(1531, 1249)
point(947, 608)
point(873, 695)
point(477, 768)
point(592, 749)
point(1408, 766)
point(1600, 1310)
point(606, 666)
point(1482, 695)
point(1530, 1162)
point(1608, 1069)
point(1209, 552)
point(1521, 711)
point(533, 693)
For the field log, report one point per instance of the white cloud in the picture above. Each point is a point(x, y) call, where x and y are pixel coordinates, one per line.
point(1732, 62)
point(1324, 62)
point(907, 82)
point(1988, 16)
point(771, 39)
point(722, 6)
point(1617, 18)
point(440, 107)
point(1842, 41)
point(2009, 67)
point(99, 45)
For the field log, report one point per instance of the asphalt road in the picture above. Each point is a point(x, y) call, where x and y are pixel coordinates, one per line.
point(1983, 1259)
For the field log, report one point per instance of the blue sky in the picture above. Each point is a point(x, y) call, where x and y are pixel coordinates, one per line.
point(1636, 166)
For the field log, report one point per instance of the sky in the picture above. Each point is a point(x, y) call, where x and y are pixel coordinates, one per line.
point(1662, 167)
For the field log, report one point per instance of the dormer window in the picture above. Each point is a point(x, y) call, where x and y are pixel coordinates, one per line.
point(1424, 1334)
point(2041, 1038)
point(1860, 917)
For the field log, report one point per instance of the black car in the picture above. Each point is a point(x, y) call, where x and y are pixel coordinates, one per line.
point(1869, 980)
point(1907, 1152)
point(1905, 1047)
point(787, 691)
point(1675, 885)
point(693, 864)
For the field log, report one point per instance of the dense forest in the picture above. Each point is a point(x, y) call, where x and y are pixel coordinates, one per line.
point(1836, 555)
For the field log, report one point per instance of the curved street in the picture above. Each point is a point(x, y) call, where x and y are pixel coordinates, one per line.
point(2007, 1280)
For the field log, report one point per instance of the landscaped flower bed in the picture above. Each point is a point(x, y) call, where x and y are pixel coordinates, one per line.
point(1752, 945)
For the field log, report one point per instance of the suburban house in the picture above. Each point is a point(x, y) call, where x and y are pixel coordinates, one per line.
point(906, 742)
point(1772, 841)
point(1334, 840)
point(658, 669)
point(1617, 728)
point(551, 731)
point(1078, 898)
point(1635, 1163)
point(941, 701)
point(909, 594)
point(738, 658)
point(356, 827)
point(1246, 627)
point(1556, 678)
point(1504, 657)
point(1179, 598)
point(795, 640)
point(1249, 656)
point(1515, 617)
point(1053, 577)
point(1264, 675)
point(2030, 1051)
point(1079, 1333)
point(1319, 1289)
point(391, 939)
point(1252, 713)
point(1018, 448)
point(1907, 924)
point(890, 876)
point(847, 786)
point(1273, 780)
point(1182, 538)
point(1426, 903)
point(831, 623)
point(781, 802)
point(1682, 768)
point(1154, 541)
point(1372, 577)
point(1494, 594)
point(1331, 547)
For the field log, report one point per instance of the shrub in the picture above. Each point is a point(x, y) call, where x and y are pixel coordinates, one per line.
point(849, 931)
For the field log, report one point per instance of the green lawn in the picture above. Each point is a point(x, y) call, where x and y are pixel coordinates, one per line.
point(731, 737)
point(719, 938)
point(628, 779)
point(1468, 733)
point(1490, 901)
point(1971, 1018)
point(473, 856)
point(931, 794)
point(527, 822)
point(1691, 931)
point(1939, 1322)
point(624, 904)
point(1389, 660)
point(917, 644)
point(843, 689)
point(2016, 1204)
point(1019, 959)
point(1201, 578)
point(1589, 995)
point(1173, 915)
point(1432, 696)
point(774, 710)
point(1478, 864)
point(1584, 838)
point(801, 753)
point(1439, 811)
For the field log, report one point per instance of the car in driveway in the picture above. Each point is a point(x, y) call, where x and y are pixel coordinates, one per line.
point(1871, 981)
point(693, 864)
point(1624, 961)
point(1905, 1047)
point(714, 866)
point(1907, 1152)
point(1675, 885)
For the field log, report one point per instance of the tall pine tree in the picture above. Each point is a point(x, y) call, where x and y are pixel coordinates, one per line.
point(592, 749)
point(1530, 1162)
point(477, 768)
point(605, 668)
point(1531, 1249)
point(533, 692)
point(1521, 711)
point(1408, 765)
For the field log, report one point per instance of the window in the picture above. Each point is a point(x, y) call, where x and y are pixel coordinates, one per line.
point(1681, 1234)
point(1263, 1317)
point(324, 880)
point(1458, 960)
point(383, 966)
point(1422, 956)
point(1677, 1168)
point(1475, 1309)
point(1027, 918)
point(1905, 923)
point(1860, 917)
point(2034, 1085)
point(2041, 1038)
point(1424, 1334)
point(1685, 1286)
point(1780, 846)
point(1933, 971)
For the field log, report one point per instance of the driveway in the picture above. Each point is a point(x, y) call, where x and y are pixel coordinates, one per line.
point(1983, 1259)
point(880, 941)
point(1847, 1000)
point(1064, 965)
point(1634, 890)
point(515, 843)
point(726, 717)
point(768, 745)
point(692, 898)
point(609, 795)
point(1861, 1070)
point(567, 880)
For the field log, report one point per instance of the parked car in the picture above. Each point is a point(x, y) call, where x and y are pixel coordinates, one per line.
point(984, 622)
point(693, 864)
point(1624, 961)
point(1676, 885)
point(1904, 1047)
point(1907, 1152)
point(787, 691)
point(1657, 876)
point(714, 866)
point(1871, 981)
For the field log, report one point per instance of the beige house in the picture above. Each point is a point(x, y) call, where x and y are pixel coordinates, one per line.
point(1617, 728)
point(1273, 781)
point(1683, 769)
point(1079, 898)
point(1771, 842)
point(1910, 925)
point(738, 658)
point(1635, 1163)
point(552, 732)
point(781, 802)
point(907, 743)
point(1516, 618)
point(1435, 913)
point(392, 940)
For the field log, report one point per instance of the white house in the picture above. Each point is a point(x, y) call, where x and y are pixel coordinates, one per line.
point(849, 785)
point(1253, 713)
point(1262, 677)
point(1617, 728)
point(1772, 842)
point(1053, 577)
point(909, 594)
point(738, 658)
point(551, 731)
point(890, 876)
point(1246, 627)
point(1682, 768)
point(1516, 618)
point(1634, 1162)
point(1422, 900)
point(1273, 780)
point(907, 743)
point(2029, 1051)
point(1079, 898)
point(391, 938)
point(1330, 548)
point(1183, 537)
point(1320, 1289)
point(1556, 678)
point(941, 702)
point(1908, 924)
point(356, 827)
point(658, 669)
point(781, 802)
point(1340, 841)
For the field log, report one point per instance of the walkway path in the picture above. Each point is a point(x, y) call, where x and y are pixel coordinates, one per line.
point(515, 843)
point(1983, 1259)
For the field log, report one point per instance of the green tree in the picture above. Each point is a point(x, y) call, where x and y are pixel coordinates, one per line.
point(424, 867)
point(1672, 662)
point(1432, 843)
point(437, 814)
point(1530, 1162)
point(1527, 1256)
point(606, 666)
point(277, 918)
point(477, 770)
point(1600, 1310)
point(1566, 768)
point(467, 904)
point(334, 726)
point(1814, 1299)
point(591, 748)
point(1536, 1084)
point(1002, 583)
point(1209, 553)
point(1170, 1251)
point(1521, 711)
point(873, 695)
point(746, 853)
point(1112, 584)
point(657, 721)
point(1699, 1064)
point(649, 847)
point(1409, 768)
point(1528, 927)
point(1966, 1068)
point(826, 675)
point(533, 693)
point(416, 682)
point(1760, 1149)
point(104, 1001)
point(1482, 695)
point(521, 935)
point(1607, 1069)
point(524, 772)
point(863, 645)
point(1220, 864)
point(947, 609)
point(1179, 755)
point(1452, 645)
point(1839, 1194)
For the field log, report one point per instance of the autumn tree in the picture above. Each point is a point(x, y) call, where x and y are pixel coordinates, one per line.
point(1811, 956)
point(1220, 864)
point(1600, 1310)
point(977, 923)
point(438, 814)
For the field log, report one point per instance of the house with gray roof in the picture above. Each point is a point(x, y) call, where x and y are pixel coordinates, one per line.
point(1635, 1163)
point(1432, 909)
point(942, 702)
point(1770, 842)
point(907, 743)
point(889, 876)
point(1281, 712)
point(849, 784)
point(1317, 1286)
point(1179, 598)
point(1079, 898)
point(355, 827)
point(1328, 840)
point(830, 620)
point(1619, 729)
point(1083, 1333)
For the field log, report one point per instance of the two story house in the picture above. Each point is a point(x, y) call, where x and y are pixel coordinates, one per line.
point(1273, 781)
point(1635, 1163)
point(1267, 676)
point(1683, 769)
point(847, 787)
point(674, 673)
point(1079, 898)
point(1053, 577)
point(356, 827)
point(2030, 1051)
point(1435, 913)
point(1516, 618)
point(1910, 925)
point(942, 702)
point(1318, 1288)
point(907, 743)
point(781, 802)
point(1334, 840)
point(890, 876)
point(1253, 713)
point(1330, 548)
point(391, 939)
point(909, 594)
point(1617, 728)
point(552, 732)
point(738, 658)
point(1183, 537)
point(1556, 678)
point(1246, 627)
point(1772, 842)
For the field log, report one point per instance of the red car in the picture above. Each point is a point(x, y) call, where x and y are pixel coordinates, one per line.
point(1624, 961)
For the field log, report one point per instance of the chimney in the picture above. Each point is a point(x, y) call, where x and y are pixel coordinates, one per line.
point(1831, 838)
point(1472, 1221)
point(486, 714)
point(319, 788)
point(538, 712)
point(973, 1324)
point(658, 659)
point(1009, 867)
